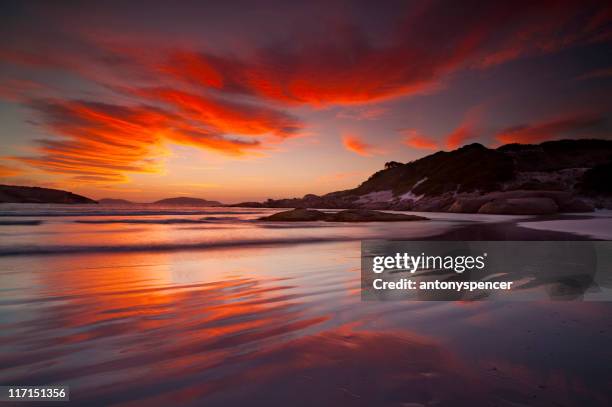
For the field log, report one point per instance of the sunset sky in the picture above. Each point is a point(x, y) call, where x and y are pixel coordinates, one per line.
point(251, 100)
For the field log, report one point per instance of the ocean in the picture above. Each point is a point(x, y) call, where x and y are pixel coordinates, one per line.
point(152, 306)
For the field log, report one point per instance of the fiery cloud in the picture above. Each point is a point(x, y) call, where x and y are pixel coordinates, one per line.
point(9, 171)
point(459, 136)
point(356, 145)
point(227, 117)
point(235, 97)
point(413, 139)
point(351, 69)
point(550, 129)
point(467, 129)
point(102, 142)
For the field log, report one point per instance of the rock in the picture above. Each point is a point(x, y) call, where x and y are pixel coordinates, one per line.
point(350, 215)
point(403, 205)
point(439, 203)
point(364, 215)
point(249, 204)
point(434, 183)
point(468, 205)
point(576, 205)
point(557, 196)
point(376, 205)
point(296, 215)
point(520, 206)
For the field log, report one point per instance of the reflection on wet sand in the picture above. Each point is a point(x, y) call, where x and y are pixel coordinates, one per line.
point(280, 325)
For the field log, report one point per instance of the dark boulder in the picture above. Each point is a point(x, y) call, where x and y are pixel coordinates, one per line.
point(349, 215)
point(520, 206)
point(296, 215)
point(364, 215)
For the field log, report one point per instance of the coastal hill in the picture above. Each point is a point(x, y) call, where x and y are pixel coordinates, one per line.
point(555, 176)
point(19, 194)
point(22, 194)
point(179, 201)
point(186, 201)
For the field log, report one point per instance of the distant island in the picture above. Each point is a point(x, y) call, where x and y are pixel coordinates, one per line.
point(20, 194)
point(177, 201)
point(23, 194)
point(551, 177)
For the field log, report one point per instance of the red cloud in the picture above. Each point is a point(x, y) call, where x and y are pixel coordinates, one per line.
point(187, 66)
point(227, 117)
point(8, 171)
point(550, 129)
point(413, 139)
point(356, 145)
point(466, 129)
point(103, 142)
point(211, 99)
point(459, 136)
point(352, 69)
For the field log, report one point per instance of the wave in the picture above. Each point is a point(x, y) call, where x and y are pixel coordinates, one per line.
point(121, 213)
point(20, 222)
point(161, 247)
point(173, 221)
point(145, 221)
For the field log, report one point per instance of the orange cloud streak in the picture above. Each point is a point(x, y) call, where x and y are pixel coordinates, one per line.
point(228, 117)
point(466, 129)
point(415, 140)
point(356, 145)
point(8, 171)
point(549, 129)
point(102, 143)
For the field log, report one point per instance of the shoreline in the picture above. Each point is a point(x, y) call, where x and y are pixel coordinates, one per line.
point(508, 231)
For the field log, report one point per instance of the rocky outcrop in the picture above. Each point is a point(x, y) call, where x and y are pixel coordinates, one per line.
point(296, 215)
point(575, 174)
point(468, 205)
point(350, 215)
point(520, 206)
point(364, 215)
point(526, 202)
point(19, 194)
point(576, 205)
point(249, 204)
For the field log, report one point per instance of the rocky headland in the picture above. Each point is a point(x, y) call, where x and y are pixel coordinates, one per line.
point(552, 177)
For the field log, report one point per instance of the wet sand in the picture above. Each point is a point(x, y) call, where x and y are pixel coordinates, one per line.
point(508, 230)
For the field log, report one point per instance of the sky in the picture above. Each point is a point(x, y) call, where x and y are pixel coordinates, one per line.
point(243, 100)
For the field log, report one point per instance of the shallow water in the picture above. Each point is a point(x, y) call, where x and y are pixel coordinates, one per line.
point(232, 312)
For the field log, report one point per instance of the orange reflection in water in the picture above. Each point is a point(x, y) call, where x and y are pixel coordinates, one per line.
point(261, 325)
